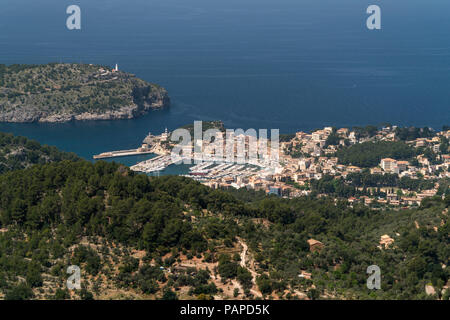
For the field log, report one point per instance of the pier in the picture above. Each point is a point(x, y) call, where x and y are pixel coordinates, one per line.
point(144, 149)
point(120, 153)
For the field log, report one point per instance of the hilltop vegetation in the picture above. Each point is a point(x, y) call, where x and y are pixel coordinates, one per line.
point(206, 125)
point(64, 92)
point(170, 237)
point(412, 133)
point(368, 154)
point(19, 153)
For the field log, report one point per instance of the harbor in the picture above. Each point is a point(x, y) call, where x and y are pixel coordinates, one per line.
point(205, 167)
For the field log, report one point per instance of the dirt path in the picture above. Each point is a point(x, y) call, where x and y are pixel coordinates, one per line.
point(250, 267)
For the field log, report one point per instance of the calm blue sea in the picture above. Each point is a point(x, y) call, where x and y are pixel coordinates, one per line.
point(287, 64)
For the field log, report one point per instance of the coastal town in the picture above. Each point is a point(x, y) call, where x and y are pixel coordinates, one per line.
point(315, 164)
point(320, 159)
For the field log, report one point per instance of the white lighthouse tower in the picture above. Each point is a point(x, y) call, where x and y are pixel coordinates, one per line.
point(116, 68)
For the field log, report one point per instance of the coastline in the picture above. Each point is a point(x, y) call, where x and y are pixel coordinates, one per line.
point(129, 112)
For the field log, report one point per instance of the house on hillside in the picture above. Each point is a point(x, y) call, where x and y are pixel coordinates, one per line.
point(315, 245)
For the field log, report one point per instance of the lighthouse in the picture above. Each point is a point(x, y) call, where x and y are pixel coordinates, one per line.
point(165, 135)
point(116, 68)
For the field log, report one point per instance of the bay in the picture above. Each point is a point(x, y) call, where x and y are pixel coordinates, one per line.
point(287, 64)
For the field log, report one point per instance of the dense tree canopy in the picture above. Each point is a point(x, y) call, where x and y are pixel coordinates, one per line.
point(47, 212)
point(369, 154)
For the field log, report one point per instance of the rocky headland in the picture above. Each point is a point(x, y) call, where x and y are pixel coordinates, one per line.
point(68, 92)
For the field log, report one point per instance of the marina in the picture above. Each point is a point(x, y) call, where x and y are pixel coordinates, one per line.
point(213, 170)
point(158, 163)
point(203, 166)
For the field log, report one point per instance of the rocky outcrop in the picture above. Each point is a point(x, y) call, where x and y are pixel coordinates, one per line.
point(126, 96)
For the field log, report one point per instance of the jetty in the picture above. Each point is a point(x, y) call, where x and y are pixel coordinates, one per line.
point(144, 149)
point(120, 153)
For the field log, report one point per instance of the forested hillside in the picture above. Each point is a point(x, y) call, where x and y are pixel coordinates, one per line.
point(20, 152)
point(170, 237)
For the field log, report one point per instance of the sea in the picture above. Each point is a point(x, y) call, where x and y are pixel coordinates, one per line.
point(265, 64)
